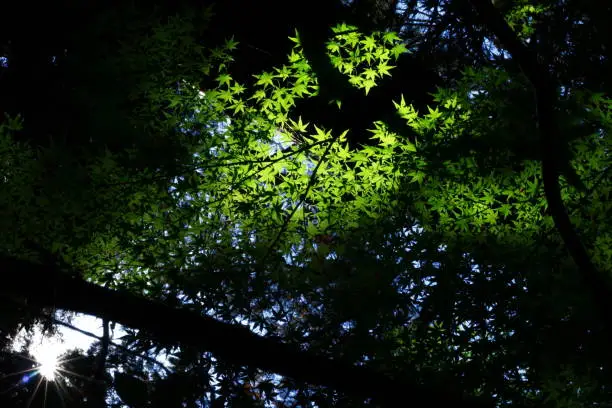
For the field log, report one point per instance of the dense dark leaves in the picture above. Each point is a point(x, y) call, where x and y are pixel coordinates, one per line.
point(132, 390)
point(488, 315)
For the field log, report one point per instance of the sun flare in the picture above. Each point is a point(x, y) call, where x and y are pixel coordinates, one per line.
point(47, 358)
point(48, 366)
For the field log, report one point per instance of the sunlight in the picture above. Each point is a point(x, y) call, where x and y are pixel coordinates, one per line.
point(48, 366)
point(46, 353)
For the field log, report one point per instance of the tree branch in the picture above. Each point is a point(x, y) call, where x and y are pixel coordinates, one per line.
point(112, 344)
point(551, 150)
point(45, 285)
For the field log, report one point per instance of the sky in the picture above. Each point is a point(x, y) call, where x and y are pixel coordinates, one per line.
point(42, 346)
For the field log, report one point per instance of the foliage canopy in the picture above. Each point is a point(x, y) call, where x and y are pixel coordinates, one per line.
point(430, 254)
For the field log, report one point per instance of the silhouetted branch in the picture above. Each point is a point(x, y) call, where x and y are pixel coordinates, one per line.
point(232, 343)
point(110, 343)
point(551, 149)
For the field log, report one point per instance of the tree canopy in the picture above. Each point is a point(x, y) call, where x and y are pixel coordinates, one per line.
point(364, 203)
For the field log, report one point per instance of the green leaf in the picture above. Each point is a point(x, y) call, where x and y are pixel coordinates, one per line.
point(397, 50)
point(224, 79)
point(390, 37)
point(368, 84)
point(384, 69)
point(230, 44)
point(295, 39)
point(333, 47)
point(259, 95)
point(369, 43)
point(266, 79)
point(370, 73)
point(299, 126)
